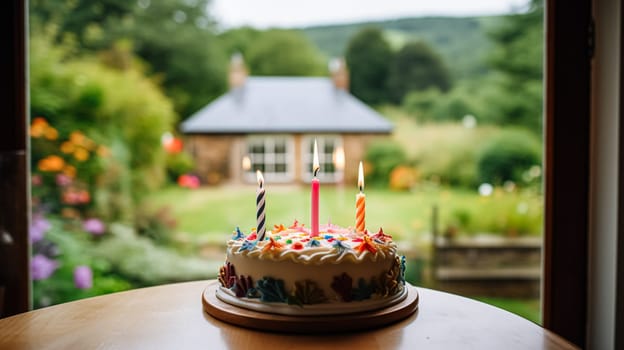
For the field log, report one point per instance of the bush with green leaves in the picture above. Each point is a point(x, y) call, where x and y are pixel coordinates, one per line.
point(122, 108)
point(383, 157)
point(508, 156)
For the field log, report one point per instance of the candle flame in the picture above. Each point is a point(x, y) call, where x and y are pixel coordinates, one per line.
point(246, 163)
point(315, 164)
point(260, 178)
point(339, 158)
point(361, 177)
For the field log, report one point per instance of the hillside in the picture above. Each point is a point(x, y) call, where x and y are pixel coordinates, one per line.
point(462, 41)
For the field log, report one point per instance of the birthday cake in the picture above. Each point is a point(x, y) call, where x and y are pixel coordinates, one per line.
point(291, 271)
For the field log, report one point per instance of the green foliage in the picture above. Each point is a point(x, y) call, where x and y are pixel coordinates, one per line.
point(417, 66)
point(81, 94)
point(518, 56)
point(383, 157)
point(368, 54)
point(175, 37)
point(178, 163)
point(74, 247)
point(158, 225)
point(508, 156)
point(281, 52)
point(461, 41)
point(140, 261)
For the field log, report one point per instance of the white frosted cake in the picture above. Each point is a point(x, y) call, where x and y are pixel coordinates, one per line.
point(289, 272)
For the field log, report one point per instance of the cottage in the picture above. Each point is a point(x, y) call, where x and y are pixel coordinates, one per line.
point(270, 124)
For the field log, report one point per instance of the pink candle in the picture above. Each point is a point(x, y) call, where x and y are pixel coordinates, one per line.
point(316, 184)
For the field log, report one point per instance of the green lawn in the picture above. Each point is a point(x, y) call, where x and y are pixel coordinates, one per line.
point(216, 211)
point(527, 308)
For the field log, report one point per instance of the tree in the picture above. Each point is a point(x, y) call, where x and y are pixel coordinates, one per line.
point(175, 37)
point(368, 54)
point(417, 67)
point(286, 53)
point(517, 57)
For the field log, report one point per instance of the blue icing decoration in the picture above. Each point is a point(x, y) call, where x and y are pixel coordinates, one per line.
point(238, 234)
point(328, 236)
point(313, 243)
point(403, 263)
point(271, 290)
point(339, 246)
point(247, 245)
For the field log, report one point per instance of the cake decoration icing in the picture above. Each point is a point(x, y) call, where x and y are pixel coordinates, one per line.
point(293, 268)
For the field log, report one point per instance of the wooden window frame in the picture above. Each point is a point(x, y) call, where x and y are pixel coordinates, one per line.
point(268, 141)
point(335, 176)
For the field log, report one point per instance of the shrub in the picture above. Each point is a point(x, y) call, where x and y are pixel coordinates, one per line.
point(508, 156)
point(157, 225)
point(178, 164)
point(383, 157)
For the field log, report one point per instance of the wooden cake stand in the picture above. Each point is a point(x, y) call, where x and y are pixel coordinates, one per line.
point(223, 311)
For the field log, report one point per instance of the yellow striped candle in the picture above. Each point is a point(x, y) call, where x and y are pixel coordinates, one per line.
point(360, 203)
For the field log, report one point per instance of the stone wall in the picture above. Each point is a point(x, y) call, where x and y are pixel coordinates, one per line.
point(212, 155)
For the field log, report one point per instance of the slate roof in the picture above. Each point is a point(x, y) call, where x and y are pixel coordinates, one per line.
point(286, 105)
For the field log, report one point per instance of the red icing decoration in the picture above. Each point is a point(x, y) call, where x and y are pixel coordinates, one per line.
point(252, 237)
point(382, 236)
point(297, 245)
point(296, 225)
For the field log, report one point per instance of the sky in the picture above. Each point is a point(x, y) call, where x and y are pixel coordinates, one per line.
point(299, 13)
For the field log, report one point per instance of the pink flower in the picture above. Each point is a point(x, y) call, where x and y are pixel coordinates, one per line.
point(36, 180)
point(94, 226)
point(189, 181)
point(83, 277)
point(63, 180)
point(41, 267)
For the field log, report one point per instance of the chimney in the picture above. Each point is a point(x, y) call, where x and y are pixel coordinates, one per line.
point(237, 73)
point(339, 73)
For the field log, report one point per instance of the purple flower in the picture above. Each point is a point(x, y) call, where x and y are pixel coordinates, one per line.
point(94, 226)
point(83, 277)
point(63, 180)
point(41, 267)
point(38, 227)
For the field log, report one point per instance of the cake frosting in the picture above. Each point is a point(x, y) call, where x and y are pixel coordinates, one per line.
point(292, 272)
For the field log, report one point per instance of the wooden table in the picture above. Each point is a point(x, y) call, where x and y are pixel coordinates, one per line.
point(171, 317)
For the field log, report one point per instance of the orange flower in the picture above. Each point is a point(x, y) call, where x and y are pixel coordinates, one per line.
point(103, 151)
point(70, 213)
point(67, 147)
point(70, 171)
point(88, 144)
point(81, 154)
point(38, 127)
point(50, 133)
point(51, 163)
point(77, 137)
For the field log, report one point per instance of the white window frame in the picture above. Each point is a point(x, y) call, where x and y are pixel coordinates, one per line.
point(270, 158)
point(306, 158)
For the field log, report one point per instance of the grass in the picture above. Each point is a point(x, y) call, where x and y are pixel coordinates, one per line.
point(527, 308)
point(216, 211)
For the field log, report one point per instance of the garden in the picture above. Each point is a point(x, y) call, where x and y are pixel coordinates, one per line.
point(115, 203)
